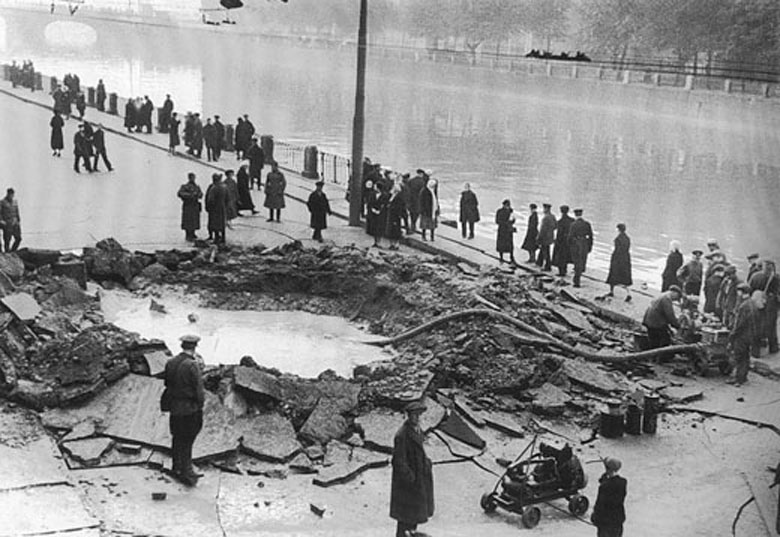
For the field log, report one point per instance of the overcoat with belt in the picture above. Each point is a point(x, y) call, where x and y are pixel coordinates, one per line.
point(411, 497)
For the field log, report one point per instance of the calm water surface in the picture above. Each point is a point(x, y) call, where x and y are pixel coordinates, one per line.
point(509, 136)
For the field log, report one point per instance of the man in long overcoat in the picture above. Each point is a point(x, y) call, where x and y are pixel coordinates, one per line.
point(620, 264)
point(768, 282)
point(744, 334)
point(164, 116)
point(319, 208)
point(254, 154)
point(209, 138)
point(245, 202)
point(416, 184)
point(275, 185)
point(691, 274)
point(609, 513)
point(100, 96)
point(504, 235)
point(190, 195)
point(580, 244)
point(130, 115)
point(197, 135)
point(561, 256)
point(82, 149)
point(99, 143)
point(216, 207)
point(184, 382)
point(411, 497)
point(219, 137)
point(469, 211)
point(529, 242)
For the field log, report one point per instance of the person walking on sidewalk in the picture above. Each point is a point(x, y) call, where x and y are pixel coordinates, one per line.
point(620, 264)
point(10, 221)
point(275, 185)
point(190, 195)
point(505, 219)
point(184, 383)
point(319, 208)
point(99, 143)
point(580, 244)
point(546, 237)
point(245, 202)
point(529, 242)
point(609, 513)
point(216, 207)
point(57, 143)
point(411, 493)
point(82, 148)
point(469, 211)
point(173, 133)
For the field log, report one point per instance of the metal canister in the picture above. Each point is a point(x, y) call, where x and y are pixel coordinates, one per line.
point(634, 419)
point(650, 421)
point(612, 421)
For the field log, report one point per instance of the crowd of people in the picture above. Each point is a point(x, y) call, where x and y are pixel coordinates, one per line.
point(22, 75)
point(89, 144)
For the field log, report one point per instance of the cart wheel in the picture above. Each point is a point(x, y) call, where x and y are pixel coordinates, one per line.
point(531, 516)
point(725, 368)
point(487, 502)
point(578, 505)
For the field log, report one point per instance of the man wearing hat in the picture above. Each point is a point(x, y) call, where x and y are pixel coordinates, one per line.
point(755, 265)
point(743, 334)
point(726, 303)
point(184, 383)
point(411, 495)
point(690, 275)
point(319, 209)
point(580, 244)
point(768, 282)
point(659, 316)
point(609, 513)
point(546, 237)
point(254, 154)
point(416, 185)
point(561, 251)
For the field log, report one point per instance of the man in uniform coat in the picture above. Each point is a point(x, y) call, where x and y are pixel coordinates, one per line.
point(531, 233)
point(691, 274)
point(609, 513)
point(99, 143)
point(190, 195)
point(209, 138)
point(254, 154)
point(580, 244)
point(546, 237)
point(184, 382)
point(744, 333)
point(561, 252)
point(659, 316)
point(216, 207)
point(82, 148)
point(319, 208)
point(411, 496)
point(219, 137)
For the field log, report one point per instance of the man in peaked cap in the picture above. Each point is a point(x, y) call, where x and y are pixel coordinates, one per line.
point(743, 334)
point(609, 513)
point(755, 265)
point(546, 237)
point(184, 382)
point(580, 244)
point(411, 496)
point(691, 274)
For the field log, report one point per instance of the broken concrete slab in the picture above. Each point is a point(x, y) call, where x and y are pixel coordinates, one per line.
point(652, 384)
point(270, 437)
point(380, 425)
point(325, 423)
point(88, 451)
point(22, 305)
point(57, 508)
point(33, 464)
point(682, 394)
point(258, 382)
point(84, 429)
point(504, 425)
point(549, 400)
point(12, 266)
point(456, 427)
point(470, 414)
point(156, 361)
point(35, 257)
point(591, 376)
point(573, 317)
point(301, 464)
point(360, 461)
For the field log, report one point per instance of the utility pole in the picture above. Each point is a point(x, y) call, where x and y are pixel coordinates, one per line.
point(356, 181)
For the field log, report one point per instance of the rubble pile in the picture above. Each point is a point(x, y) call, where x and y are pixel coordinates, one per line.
point(63, 354)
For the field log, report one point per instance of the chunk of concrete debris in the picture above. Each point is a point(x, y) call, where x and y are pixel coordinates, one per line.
point(457, 428)
point(470, 414)
point(302, 464)
point(257, 381)
point(156, 361)
point(88, 451)
point(549, 400)
point(269, 437)
point(157, 306)
point(360, 461)
point(506, 426)
point(325, 423)
point(682, 394)
point(318, 510)
point(591, 376)
point(380, 425)
point(22, 305)
point(84, 429)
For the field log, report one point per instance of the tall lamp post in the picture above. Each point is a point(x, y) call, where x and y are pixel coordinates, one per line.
point(356, 181)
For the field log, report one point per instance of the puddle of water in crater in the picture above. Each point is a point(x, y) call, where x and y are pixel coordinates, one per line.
point(292, 341)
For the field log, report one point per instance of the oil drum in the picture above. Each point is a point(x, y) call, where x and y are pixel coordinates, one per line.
point(634, 419)
point(612, 421)
point(650, 422)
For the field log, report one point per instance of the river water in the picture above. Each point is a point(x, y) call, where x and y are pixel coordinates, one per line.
point(621, 158)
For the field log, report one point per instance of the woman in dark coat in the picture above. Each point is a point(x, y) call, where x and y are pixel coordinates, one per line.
point(620, 264)
point(173, 133)
point(275, 184)
point(673, 262)
point(319, 208)
point(529, 242)
point(411, 494)
point(376, 213)
point(505, 219)
point(57, 143)
point(216, 207)
point(396, 209)
point(469, 211)
point(245, 202)
point(232, 197)
point(429, 208)
point(190, 195)
point(130, 119)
